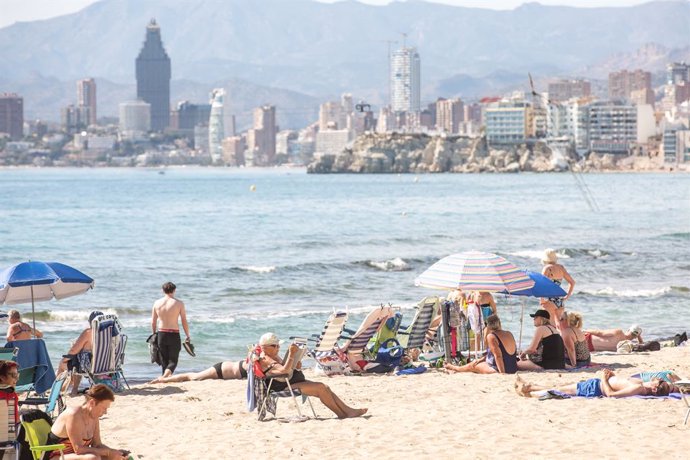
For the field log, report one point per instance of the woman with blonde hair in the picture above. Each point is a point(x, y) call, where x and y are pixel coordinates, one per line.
point(577, 352)
point(556, 273)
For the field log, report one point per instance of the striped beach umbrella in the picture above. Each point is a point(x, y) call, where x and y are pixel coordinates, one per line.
point(475, 271)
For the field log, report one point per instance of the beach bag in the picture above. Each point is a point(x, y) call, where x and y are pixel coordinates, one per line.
point(331, 364)
point(390, 353)
point(154, 351)
point(111, 381)
point(388, 331)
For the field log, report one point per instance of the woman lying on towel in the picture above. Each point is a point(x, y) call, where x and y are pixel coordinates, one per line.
point(272, 365)
point(226, 370)
point(608, 386)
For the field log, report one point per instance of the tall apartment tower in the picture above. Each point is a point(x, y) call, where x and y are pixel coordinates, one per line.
point(563, 90)
point(449, 115)
point(12, 115)
point(677, 73)
point(153, 77)
point(216, 125)
point(405, 80)
point(261, 140)
point(86, 97)
point(623, 83)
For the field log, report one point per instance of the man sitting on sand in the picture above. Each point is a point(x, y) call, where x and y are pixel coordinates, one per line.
point(608, 386)
point(607, 339)
point(226, 370)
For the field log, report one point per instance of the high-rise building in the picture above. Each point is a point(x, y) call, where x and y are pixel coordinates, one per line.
point(449, 115)
point(86, 97)
point(677, 73)
point(135, 119)
point(508, 122)
point(261, 140)
point(331, 116)
point(405, 80)
point(563, 90)
point(153, 77)
point(612, 127)
point(75, 118)
point(186, 116)
point(623, 83)
point(216, 125)
point(12, 115)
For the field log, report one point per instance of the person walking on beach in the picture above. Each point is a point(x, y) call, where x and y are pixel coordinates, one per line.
point(19, 330)
point(165, 314)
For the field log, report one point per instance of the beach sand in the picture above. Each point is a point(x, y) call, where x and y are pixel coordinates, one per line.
point(433, 415)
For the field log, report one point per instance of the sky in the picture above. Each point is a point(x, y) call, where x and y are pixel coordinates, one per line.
point(31, 10)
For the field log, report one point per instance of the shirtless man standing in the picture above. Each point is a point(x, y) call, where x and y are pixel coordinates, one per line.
point(607, 339)
point(164, 322)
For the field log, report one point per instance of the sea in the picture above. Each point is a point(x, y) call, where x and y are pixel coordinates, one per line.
point(257, 250)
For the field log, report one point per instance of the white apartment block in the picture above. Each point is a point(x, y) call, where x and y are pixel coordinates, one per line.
point(405, 80)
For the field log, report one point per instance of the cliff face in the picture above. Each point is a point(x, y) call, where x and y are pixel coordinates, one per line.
point(420, 153)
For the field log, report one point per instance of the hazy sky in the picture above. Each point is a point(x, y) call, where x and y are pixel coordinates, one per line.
point(29, 10)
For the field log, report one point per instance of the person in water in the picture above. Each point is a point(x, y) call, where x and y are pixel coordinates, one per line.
point(272, 364)
point(19, 330)
point(225, 370)
point(608, 386)
point(501, 356)
point(78, 428)
point(556, 273)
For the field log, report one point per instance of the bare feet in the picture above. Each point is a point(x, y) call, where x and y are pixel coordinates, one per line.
point(358, 412)
point(156, 380)
point(521, 387)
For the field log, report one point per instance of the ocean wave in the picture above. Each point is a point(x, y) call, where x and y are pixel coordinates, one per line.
point(677, 235)
point(80, 315)
point(611, 292)
point(259, 269)
point(392, 265)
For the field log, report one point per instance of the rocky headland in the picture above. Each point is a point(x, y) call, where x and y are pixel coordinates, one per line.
point(422, 153)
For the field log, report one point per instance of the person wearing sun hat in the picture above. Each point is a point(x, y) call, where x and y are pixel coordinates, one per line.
point(608, 339)
point(272, 364)
point(547, 350)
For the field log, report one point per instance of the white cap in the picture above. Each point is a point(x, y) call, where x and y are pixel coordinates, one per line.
point(269, 338)
point(635, 330)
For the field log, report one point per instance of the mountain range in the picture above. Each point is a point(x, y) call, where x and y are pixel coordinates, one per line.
point(295, 53)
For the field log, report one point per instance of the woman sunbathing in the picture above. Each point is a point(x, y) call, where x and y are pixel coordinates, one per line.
point(226, 370)
point(79, 429)
point(501, 356)
point(273, 365)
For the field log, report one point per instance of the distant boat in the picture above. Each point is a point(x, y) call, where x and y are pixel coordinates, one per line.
point(161, 172)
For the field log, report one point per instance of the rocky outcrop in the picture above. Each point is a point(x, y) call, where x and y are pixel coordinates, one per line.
point(420, 153)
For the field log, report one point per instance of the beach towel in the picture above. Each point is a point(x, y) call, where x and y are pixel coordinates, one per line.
point(412, 370)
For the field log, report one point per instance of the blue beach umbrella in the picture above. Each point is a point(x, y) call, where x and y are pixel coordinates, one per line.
point(40, 281)
point(543, 287)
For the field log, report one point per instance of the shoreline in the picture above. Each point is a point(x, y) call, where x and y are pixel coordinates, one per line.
point(430, 415)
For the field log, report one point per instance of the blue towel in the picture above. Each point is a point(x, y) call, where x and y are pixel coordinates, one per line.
point(33, 353)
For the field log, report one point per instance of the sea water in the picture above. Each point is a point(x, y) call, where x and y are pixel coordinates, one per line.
point(277, 250)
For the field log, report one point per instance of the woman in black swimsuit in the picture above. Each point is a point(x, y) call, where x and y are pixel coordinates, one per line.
point(272, 364)
point(546, 350)
point(225, 370)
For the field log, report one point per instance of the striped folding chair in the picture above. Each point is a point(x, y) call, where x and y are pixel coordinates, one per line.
point(324, 351)
point(107, 349)
point(356, 346)
point(414, 335)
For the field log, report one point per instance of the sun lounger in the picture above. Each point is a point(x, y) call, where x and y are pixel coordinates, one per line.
point(414, 335)
point(324, 351)
point(356, 346)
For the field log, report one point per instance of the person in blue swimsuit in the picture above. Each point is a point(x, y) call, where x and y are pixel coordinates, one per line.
point(501, 356)
point(609, 386)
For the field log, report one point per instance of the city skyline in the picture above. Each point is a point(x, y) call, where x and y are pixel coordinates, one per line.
point(32, 10)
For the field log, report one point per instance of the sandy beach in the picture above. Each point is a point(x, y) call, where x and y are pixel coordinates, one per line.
point(433, 415)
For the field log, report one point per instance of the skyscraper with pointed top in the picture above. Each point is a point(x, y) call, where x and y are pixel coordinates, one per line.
point(153, 77)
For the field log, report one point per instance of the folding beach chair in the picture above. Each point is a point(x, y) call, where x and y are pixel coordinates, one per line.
point(54, 400)
point(8, 421)
point(8, 354)
point(684, 388)
point(107, 352)
point(356, 345)
point(324, 352)
point(414, 335)
point(33, 435)
point(259, 394)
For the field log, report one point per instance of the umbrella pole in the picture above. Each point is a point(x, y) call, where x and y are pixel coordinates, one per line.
point(522, 316)
point(33, 313)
